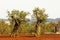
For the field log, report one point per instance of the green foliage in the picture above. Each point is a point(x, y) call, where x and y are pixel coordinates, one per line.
point(26, 28)
point(19, 16)
point(40, 14)
point(50, 27)
point(4, 28)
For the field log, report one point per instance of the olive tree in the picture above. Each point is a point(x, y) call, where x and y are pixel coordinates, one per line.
point(41, 17)
point(16, 18)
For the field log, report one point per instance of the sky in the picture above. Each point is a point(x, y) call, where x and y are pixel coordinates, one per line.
point(52, 7)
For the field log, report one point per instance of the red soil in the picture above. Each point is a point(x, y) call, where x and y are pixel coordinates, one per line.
point(31, 37)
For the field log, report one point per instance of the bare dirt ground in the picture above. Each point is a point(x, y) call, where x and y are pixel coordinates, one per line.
point(31, 37)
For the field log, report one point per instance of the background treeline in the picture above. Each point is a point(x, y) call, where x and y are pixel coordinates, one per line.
point(21, 25)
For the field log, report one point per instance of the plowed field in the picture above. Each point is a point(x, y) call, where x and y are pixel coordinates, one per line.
point(31, 37)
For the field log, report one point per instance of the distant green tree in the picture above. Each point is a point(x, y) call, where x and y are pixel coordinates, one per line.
point(58, 26)
point(51, 27)
point(4, 28)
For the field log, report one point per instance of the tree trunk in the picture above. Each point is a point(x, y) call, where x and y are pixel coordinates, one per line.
point(15, 28)
point(38, 29)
